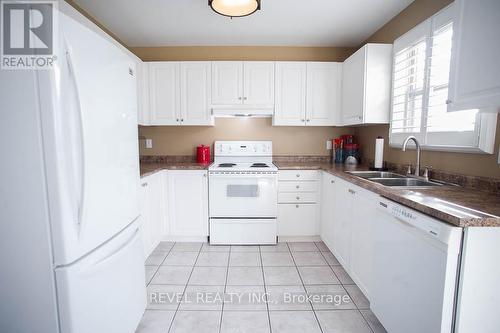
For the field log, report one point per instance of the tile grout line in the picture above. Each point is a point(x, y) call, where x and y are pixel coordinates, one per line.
point(225, 290)
point(185, 287)
point(157, 268)
point(265, 288)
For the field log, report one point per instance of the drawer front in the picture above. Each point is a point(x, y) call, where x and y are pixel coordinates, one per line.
point(298, 175)
point(297, 197)
point(298, 220)
point(300, 186)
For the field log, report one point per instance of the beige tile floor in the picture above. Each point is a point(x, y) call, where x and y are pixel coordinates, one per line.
point(289, 287)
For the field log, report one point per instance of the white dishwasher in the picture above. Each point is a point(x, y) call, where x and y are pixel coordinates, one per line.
point(415, 263)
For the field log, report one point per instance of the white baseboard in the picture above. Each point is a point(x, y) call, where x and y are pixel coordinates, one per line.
point(299, 239)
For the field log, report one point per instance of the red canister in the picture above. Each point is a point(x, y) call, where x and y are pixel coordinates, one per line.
point(203, 154)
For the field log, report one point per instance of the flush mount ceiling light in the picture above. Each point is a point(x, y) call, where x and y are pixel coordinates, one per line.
point(234, 8)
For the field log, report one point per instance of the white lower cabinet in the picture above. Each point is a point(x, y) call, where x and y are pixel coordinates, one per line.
point(152, 211)
point(174, 206)
point(346, 221)
point(187, 203)
point(298, 204)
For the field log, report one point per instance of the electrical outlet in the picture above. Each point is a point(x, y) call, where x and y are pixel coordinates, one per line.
point(149, 143)
point(329, 144)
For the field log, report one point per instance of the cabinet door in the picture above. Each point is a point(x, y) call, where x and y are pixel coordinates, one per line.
point(196, 86)
point(187, 202)
point(342, 222)
point(362, 239)
point(297, 220)
point(145, 220)
point(290, 89)
point(156, 216)
point(475, 72)
point(164, 93)
point(323, 93)
point(353, 88)
point(143, 93)
point(258, 84)
point(327, 229)
point(227, 82)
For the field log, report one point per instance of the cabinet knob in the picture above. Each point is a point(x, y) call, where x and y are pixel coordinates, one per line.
point(245, 98)
point(332, 181)
point(297, 186)
point(296, 206)
point(144, 184)
point(298, 175)
point(239, 98)
point(352, 191)
point(448, 101)
point(182, 119)
point(298, 198)
point(177, 120)
point(303, 120)
point(308, 120)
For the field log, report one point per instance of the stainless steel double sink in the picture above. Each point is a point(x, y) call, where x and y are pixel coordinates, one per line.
point(392, 179)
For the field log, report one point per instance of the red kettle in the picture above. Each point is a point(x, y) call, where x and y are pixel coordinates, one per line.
point(203, 154)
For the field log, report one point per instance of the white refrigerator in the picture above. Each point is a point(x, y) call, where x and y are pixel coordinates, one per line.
point(70, 244)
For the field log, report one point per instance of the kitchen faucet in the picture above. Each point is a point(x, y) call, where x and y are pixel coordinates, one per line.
point(417, 144)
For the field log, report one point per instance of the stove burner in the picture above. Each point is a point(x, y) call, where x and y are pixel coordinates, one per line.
point(259, 165)
point(227, 165)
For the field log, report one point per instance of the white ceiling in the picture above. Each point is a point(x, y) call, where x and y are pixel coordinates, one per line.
point(278, 23)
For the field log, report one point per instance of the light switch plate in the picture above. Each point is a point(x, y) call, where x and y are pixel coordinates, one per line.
point(329, 144)
point(149, 143)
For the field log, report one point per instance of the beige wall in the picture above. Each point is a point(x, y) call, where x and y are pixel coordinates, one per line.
point(174, 140)
point(283, 53)
point(469, 164)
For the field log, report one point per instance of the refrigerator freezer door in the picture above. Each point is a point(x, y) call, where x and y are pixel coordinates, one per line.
point(104, 291)
point(90, 127)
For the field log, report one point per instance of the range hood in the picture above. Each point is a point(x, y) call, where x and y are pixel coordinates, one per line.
point(241, 111)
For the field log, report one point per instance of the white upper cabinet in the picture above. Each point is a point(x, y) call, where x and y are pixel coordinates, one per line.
point(164, 93)
point(323, 93)
point(242, 85)
point(195, 93)
point(307, 94)
point(366, 85)
point(475, 68)
point(227, 82)
point(258, 83)
point(290, 89)
point(179, 93)
point(143, 93)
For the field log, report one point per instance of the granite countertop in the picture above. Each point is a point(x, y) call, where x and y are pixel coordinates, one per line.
point(147, 169)
point(456, 205)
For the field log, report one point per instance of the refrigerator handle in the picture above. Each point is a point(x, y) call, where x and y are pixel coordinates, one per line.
point(81, 150)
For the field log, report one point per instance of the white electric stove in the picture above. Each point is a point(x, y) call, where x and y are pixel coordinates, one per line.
point(243, 196)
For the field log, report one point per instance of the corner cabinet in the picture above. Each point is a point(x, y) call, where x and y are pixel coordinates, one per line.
point(475, 69)
point(187, 204)
point(179, 93)
point(366, 85)
point(307, 93)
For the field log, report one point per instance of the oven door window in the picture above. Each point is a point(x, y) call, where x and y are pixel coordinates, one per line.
point(242, 191)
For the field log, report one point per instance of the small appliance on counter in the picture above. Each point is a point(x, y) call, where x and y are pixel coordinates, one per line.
point(345, 150)
point(203, 154)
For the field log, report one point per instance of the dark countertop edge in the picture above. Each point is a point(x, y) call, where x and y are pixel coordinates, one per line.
point(147, 169)
point(391, 194)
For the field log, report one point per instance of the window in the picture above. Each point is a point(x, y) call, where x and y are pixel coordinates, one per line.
point(421, 68)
